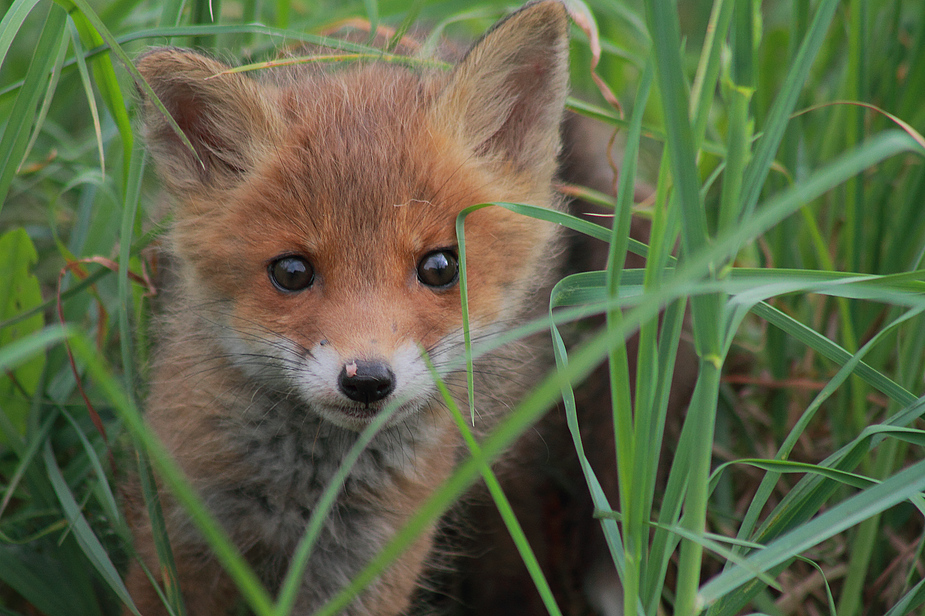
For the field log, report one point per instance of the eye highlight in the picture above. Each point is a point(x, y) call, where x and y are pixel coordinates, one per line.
point(291, 274)
point(439, 269)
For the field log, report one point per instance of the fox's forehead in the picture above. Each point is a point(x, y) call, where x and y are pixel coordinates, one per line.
point(361, 155)
point(349, 108)
point(381, 150)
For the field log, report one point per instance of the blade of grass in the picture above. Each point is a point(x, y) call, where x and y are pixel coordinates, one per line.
point(85, 536)
point(92, 31)
point(664, 26)
point(88, 91)
point(16, 134)
point(777, 120)
point(626, 428)
point(168, 569)
point(501, 501)
point(247, 582)
point(12, 22)
point(47, 100)
point(108, 500)
point(13, 354)
point(710, 64)
point(834, 352)
point(910, 601)
point(898, 488)
point(609, 526)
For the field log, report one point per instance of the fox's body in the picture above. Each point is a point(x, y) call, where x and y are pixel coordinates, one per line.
point(312, 259)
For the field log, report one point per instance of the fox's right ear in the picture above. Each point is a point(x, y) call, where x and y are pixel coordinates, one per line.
point(229, 119)
point(506, 98)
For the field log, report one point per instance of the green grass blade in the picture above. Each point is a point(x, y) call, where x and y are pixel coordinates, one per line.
point(88, 91)
point(501, 501)
point(680, 140)
point(11, 23)
point(171, 12)
point(773, 129)
point(898, 488)
point(15, 353)
point(561, 295)
point(16, 134)
point(108, 500)
point(709, 67)
point(834, 352)
point(910, 601)
point(664, 26)
point(168, 568)
point(49, 95)
point(90, 545)
point(93, 33)
point(248, 583)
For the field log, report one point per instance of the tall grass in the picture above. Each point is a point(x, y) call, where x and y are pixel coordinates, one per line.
point(789, 183)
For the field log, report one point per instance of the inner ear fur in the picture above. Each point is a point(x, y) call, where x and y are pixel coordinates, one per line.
point(229, 119)
point(507, 96)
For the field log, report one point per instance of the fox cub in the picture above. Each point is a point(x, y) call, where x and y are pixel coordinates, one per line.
point(312, 257)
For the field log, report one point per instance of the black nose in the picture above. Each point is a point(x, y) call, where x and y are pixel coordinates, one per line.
point(366, 381)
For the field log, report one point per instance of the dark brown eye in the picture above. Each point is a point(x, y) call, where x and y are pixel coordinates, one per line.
point(439, 269)
point(291, 274)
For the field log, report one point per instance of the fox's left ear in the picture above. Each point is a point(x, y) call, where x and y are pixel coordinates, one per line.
point(507, 96)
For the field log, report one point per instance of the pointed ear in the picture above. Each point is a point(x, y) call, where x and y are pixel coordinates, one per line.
point(507, 96)
point(229, 119)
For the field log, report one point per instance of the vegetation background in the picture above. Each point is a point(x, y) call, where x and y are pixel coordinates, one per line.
point(782, 139)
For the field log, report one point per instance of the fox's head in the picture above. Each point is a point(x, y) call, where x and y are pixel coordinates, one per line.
point(315, 227)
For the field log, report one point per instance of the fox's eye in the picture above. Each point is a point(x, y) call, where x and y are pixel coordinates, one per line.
point(439, 269)
point(291, 273)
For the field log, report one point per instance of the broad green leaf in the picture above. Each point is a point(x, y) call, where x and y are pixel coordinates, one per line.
point(19, 293)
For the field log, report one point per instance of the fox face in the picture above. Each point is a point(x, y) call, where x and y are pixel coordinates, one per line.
point(315, 225)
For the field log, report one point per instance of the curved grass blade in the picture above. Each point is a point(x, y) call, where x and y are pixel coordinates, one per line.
point(247, 582)
point(12, 22)
point(92, 30)
point(501, 501)
point(88, 91)
point(902, 486)
point(46, 104)
point(16, 133)
point(779, 116)
point(87, 540)
point(910, 601)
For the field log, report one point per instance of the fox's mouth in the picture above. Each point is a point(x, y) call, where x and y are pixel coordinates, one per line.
point(365, 412)
point(359, 416)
